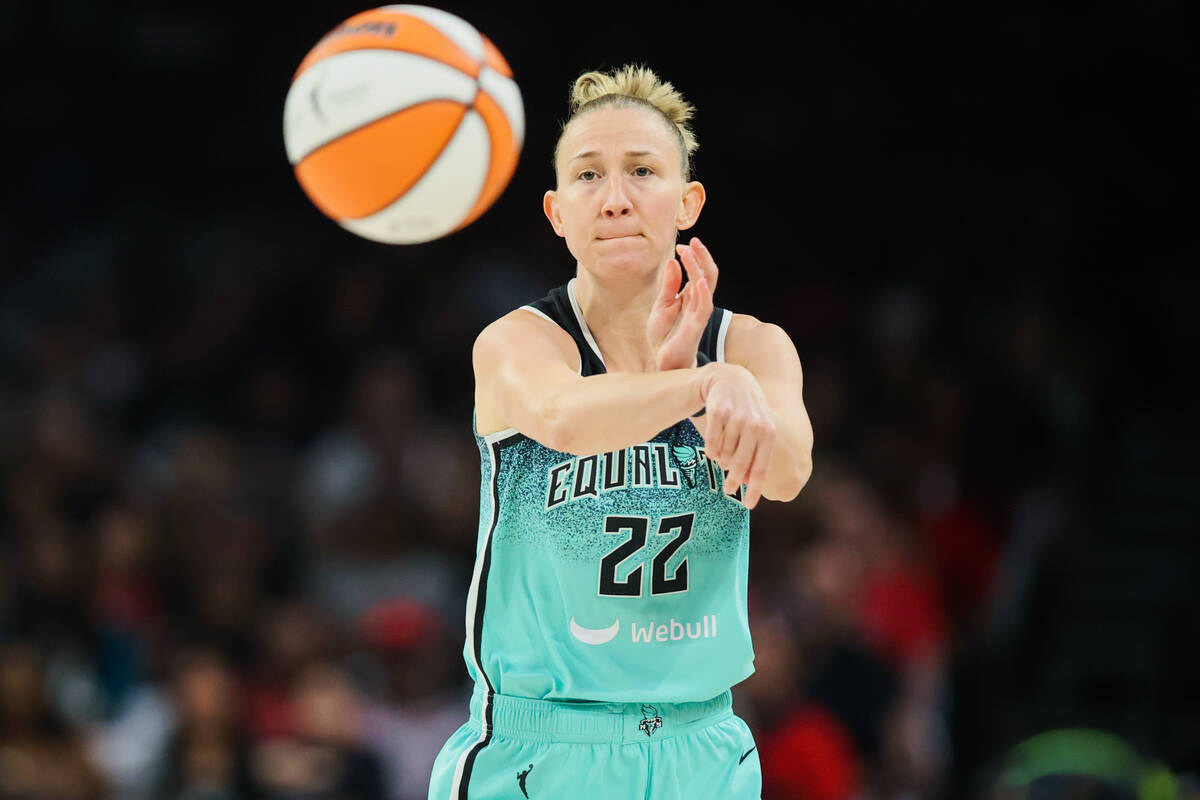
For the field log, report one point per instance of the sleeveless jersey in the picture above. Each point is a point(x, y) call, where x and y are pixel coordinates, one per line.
point(617, 577)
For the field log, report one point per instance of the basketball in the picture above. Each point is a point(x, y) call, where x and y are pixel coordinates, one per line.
point(403, 124)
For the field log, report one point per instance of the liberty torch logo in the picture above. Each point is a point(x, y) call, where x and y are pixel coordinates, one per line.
point(651, 721)
point(687, 458)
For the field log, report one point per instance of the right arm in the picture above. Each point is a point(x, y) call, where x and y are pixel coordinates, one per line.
point(524, 380)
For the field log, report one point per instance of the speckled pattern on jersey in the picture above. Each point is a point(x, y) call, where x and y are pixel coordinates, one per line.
point(584, 500)
point(619, 577)
point(547, 625)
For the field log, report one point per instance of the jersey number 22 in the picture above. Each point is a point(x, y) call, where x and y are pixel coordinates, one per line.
point(638, 528)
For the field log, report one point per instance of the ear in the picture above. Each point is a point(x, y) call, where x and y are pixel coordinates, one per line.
point(693, 201)
point(550, 208)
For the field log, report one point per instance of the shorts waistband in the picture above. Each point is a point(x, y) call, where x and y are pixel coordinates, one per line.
point(527, 719)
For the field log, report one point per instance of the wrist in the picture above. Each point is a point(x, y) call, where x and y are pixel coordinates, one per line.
point(667, 364)
point(706, 375)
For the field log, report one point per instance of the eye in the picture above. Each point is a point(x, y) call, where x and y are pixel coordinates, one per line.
point(588, 175)
point(643, 172)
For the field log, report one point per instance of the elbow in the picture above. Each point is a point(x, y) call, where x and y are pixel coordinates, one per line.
point(557, 437)
point(803, 473)
point(801, 478)
point(796, 479)
point(555, 429)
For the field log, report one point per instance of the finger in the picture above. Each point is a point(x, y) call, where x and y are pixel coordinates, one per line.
point(704, 295)
point(664, 314)
point(752, 448)
point(691, 301)
point(694, 269)
point(705, 259)
point(688, 257)
point(739, 462)
point(694, 293)
point(757, 478)
point(672, 277)
point(714, 438)
point(696, 311)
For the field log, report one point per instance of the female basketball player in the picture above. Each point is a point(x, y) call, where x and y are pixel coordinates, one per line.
point(626, 429)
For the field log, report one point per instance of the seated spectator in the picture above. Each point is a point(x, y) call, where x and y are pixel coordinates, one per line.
point(208, 757)
point(40, 756)
point(323, 759)
point(423, 662)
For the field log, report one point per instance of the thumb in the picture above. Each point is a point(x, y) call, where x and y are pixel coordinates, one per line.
point(672, 277)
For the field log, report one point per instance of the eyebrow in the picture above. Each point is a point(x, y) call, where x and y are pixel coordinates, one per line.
point(628, 153)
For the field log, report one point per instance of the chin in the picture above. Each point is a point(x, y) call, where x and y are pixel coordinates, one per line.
point(626, 264)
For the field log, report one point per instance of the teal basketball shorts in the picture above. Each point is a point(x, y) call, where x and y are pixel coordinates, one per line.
point(515, 748)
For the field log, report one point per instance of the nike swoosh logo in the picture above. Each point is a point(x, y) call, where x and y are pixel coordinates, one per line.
point(748, 752)
point(594, 635)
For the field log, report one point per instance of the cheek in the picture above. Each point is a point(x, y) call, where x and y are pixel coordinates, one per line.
point(574, 227)
point(576, 212)
point(574, 224)
point(665, 209)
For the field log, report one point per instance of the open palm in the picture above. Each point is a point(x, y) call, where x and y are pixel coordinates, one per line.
point(677, 319)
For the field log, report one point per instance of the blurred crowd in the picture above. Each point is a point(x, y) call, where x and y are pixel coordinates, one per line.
point(239, 519)
point(238, 486)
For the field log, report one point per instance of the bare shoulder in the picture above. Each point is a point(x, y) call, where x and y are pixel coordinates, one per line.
point(517, 344)
point(756, 344)
point(521, 331)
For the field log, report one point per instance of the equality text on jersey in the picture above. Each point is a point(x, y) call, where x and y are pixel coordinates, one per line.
point(654, 465)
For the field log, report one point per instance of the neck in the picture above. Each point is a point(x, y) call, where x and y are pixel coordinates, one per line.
point(616, 313)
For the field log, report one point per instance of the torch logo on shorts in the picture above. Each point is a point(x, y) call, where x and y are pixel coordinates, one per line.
point(651, 721)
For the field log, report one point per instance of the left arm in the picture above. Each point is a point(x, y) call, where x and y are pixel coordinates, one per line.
point(676, 323)
point(768, 353)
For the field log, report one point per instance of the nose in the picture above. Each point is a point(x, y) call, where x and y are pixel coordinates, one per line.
point(616, 201)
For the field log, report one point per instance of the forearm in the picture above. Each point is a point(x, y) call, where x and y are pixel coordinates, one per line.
point(791, 460)
point(606, 412)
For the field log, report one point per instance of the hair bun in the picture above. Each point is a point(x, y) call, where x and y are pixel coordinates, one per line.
point(639, 82)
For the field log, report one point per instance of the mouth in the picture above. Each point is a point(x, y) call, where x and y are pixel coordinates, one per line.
point(623, 236)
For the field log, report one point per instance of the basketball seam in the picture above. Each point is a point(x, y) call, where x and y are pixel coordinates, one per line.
point(368, 123)
point(487, 170)
point(428, 166)
point(424, 172)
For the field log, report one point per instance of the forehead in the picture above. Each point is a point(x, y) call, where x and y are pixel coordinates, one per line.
point(614, 131)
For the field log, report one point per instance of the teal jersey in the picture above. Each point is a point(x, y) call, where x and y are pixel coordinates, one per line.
point(617, 577)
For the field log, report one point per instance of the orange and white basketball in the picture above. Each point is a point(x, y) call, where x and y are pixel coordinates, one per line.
point(404, 124)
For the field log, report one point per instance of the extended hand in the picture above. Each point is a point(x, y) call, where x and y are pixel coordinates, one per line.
point(677, 319)
point(739, 429)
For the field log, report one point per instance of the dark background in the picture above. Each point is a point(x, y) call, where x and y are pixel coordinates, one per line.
point(239, 480)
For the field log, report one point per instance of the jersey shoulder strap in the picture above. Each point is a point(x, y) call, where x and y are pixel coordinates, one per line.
point(560, 307)
point(712, 341)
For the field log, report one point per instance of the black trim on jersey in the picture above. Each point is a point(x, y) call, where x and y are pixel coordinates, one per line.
point(708, 339)
point(481, 601)
point(557, 306)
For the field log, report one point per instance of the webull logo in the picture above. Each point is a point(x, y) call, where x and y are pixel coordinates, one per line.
point(670, 631)
point(674, 630)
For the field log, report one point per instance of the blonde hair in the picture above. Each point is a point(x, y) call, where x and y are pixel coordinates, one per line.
point(634, 86)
